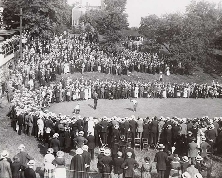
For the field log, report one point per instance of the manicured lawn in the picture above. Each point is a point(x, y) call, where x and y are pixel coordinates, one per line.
point(180, 107)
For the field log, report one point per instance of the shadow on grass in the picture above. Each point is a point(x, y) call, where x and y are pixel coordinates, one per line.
point(91, 106)
point(129, 109)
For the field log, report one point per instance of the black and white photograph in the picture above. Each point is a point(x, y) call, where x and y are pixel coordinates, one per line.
point(110, 88)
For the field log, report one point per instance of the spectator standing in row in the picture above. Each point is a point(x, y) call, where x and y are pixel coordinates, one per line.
point(5, 170)
point(29, 171)
point(48, 166)
point(161, 160)
point(59, 162)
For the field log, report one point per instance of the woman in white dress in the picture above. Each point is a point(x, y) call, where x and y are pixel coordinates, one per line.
point(48, 166)
point(89, 92)
point(185, 92)
point(73, 94)
point(59, 162)
point(66, 68)
point(164, 93)
point(91, 125)
point(86, 95)
point(77, 93)
point(99, 68)
point(168, 71)
point(136, 91)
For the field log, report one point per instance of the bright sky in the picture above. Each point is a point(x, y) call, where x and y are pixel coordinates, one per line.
point(141, 8)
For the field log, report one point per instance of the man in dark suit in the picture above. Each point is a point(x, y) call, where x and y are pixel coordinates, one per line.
point(154, 131)
point(80, 140)
point(95, 98)
point(55, 143)
point(104, 125)
point(129, 165)
point(20, 118)
point(129, 149)
point(133, 126)
point(86, 157)
point(161, 160)
point(117, 162)
point(35, 126)
point(91, 144)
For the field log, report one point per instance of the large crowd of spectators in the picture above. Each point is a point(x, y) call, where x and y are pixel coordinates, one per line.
point(9, 46)
point(185, 144)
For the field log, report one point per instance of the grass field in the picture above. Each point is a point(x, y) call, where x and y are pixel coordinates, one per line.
point(10, 140)
point(197, 77)
point(146, 107)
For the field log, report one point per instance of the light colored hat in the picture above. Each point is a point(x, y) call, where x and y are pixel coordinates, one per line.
point(199, 158)
point(189, 132)
point(161, 146)
point(56, 135)
point(203, 138)
point(198, 175)
point(116, 126)
point(31, 163)
point(185, 159)
point(85, 147)
point(60, 154)
point(107, 152)
point(4, 154)
point(21, 147)
point(129, 154)
point(119, 153)
point(79, 151)
point(186, 175)
point(101, 150)
point(50, 150)
point(81, 133)
point(211, 126)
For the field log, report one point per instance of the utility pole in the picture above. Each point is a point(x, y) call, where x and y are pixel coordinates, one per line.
point(20, 29)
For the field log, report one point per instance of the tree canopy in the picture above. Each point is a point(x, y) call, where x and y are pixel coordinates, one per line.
point(188, 36)
point(110, 20)
point(42, 18)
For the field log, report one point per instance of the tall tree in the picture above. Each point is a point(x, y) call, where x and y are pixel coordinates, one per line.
point(42, 18)
point(109, 21)
point(188, 35)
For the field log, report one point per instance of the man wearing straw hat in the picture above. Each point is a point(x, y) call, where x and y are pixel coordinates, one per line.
point(161, 160)
point(29, 172)
point(204, 146)
point(5, 170)
point(77, 165)
point(106, 162)
point(23, 156)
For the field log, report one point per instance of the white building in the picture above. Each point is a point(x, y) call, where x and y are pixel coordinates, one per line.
point(82, 7)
